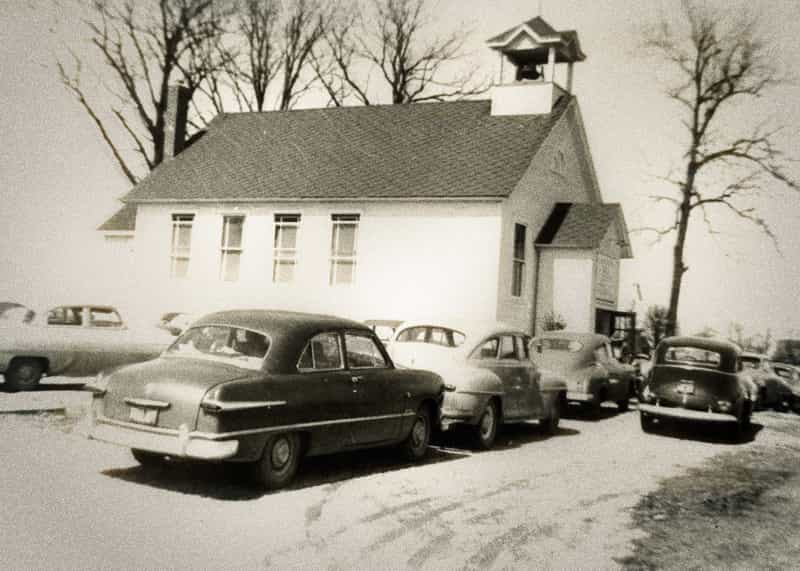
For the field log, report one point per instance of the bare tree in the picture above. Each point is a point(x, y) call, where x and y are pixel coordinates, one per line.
point(721, 62)
point(388, 39)
point(145, 46)
point(270, 48)
point(303, 28)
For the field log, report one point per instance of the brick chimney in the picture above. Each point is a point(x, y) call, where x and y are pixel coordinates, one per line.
point(175, 120)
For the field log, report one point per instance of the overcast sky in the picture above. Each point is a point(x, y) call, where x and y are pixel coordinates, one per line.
point(59, 182)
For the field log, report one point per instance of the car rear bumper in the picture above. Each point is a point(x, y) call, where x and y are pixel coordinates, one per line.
point(178, 443)
point(685, 413)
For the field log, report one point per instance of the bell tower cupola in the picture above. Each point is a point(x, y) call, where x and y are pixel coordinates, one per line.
point(532, 50)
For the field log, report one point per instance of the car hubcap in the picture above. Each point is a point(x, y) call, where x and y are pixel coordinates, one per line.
point(26, 373)
point(418, 434)
point(281, 452)
point(487, 422)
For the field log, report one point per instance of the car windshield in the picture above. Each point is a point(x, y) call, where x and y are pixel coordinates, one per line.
point(234, 345)
point(441, 336)
point(559, 344)
point(18, 315)
point(788, 374)
point(692, 356)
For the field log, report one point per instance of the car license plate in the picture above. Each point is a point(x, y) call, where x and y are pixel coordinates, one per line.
point(143, 415)
point(686, 387)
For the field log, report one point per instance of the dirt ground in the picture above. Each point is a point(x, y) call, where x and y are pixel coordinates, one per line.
point(600, 494)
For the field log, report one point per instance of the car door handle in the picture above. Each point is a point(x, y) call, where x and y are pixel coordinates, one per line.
point(356, 379)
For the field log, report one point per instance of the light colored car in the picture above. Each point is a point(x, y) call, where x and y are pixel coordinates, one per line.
point(587, 364)
point(488, 373)
point(266, 388)
point(73, 341)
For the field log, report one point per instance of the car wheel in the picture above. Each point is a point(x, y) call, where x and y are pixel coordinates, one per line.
point(486, 429)
point(147, 458)
point(279, 461)
point(415, 446)
point(550, 424)
point(761, 400)
point(23, 374)
point(648, 422)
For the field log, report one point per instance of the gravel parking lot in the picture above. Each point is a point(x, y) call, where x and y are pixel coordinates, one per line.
point(567, 501)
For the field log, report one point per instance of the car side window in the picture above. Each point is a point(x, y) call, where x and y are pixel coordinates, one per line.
point(104, 317)
point(412, 334)
point(363, 352)
point(322, 353)
point(508, 348)
point(487, 350)
point(65, 316)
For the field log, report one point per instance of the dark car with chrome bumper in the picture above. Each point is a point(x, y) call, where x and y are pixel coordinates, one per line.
point(697, 379)
point(266, 387)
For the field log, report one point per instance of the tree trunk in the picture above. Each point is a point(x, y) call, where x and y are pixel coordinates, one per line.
point(678, 269)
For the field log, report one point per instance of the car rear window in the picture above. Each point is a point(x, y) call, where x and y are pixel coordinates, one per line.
point(235, 345)
point(560, 344)
point(693, 356)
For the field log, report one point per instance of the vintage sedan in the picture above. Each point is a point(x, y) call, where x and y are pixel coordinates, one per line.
point(773, 391)
point(73, 341)
point(266, 387)
point(695, 378)
point(489, 375)
point(789, 375)
point(587, 363)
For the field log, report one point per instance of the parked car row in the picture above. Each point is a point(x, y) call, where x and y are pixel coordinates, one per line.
point(269, 387)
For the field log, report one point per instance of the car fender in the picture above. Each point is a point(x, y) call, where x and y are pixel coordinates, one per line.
point(473, 388)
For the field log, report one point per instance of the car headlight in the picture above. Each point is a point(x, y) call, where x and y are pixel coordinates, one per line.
point(647, 394)
point(724, 405)
point(99, 385)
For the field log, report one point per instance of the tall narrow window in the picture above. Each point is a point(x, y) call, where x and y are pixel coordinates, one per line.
point(284, 253)
point(231, 247)
point(181, 244)
point(518, 277)
point(343, 248)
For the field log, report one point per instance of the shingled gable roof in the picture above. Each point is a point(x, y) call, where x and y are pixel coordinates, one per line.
point(123, 220)
point(580, 225)
point(454, 150)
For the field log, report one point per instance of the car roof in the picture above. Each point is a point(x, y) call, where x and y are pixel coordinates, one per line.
point(752, 355)
point(289, 331)
point(584, 337)
point(385, 322)
point(271, 320)
point(708, 343)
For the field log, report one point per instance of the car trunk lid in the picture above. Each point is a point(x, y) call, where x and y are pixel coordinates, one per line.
point(165, 392)
point(692, 387)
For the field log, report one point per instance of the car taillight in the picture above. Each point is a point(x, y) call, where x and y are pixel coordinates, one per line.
point(210, 407)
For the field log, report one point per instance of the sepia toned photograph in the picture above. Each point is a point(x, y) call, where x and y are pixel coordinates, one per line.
point(399, 284)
